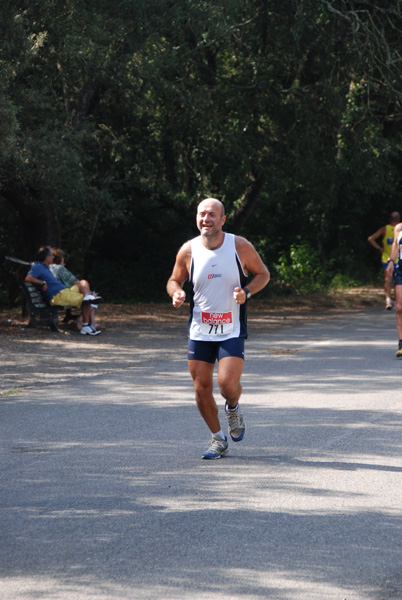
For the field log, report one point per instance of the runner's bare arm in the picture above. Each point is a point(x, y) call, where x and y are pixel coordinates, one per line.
point(372, 238)
point(251, 261)
point(179, 275)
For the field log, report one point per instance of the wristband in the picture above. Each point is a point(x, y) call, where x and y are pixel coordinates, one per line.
point(247, 292)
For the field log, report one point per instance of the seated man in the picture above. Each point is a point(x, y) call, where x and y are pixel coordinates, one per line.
point(60, 271)
point(57, 294)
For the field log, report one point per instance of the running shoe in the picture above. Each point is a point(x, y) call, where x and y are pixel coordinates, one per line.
point(217, 448)
point(388, 304)
point(399, 353)
point(89, 330)
point(236, 424)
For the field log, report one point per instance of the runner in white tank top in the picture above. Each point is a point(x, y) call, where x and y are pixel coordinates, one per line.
point(215, 315)
point(395, 271)
point(216, 263)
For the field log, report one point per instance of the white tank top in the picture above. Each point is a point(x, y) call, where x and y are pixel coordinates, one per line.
point(214, 314)
point(400, 245)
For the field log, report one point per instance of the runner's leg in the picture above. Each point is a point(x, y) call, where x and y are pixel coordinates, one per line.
point(230, 369)
point(398, 296)
point(202, 374)
point(387, 284)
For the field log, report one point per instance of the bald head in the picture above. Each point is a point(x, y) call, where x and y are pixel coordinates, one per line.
point(395, 218)
point(211, 202)
point(210, 219)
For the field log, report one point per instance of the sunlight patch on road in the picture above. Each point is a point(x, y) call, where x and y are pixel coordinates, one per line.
point(279, 351)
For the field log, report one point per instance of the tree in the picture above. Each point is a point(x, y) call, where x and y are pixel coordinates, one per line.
point(118, 117)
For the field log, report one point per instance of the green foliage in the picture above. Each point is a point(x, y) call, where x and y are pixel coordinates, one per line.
point(302, 270)
point(343, 281)
point(8, 125)
point(116, 118)
point(12, 392)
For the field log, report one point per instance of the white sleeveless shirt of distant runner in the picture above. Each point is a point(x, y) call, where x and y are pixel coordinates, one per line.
point(214, 314)
point(400, 249)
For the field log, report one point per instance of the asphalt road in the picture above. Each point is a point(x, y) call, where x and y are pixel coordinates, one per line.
point(104, 494)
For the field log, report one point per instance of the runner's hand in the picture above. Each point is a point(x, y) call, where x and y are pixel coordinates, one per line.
point(239, 295)
point(390, 267)
point(178, 298)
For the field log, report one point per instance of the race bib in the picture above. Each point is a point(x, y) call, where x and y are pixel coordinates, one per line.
point(216, 323)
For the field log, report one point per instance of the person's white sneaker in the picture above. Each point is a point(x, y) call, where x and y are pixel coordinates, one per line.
point(89, 330)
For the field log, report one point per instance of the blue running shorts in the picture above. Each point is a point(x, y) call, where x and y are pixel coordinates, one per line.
point(398, 274)
point(211, 351)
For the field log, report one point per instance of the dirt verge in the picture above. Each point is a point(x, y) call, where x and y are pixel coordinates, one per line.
point(268, 314)
point(134, 335)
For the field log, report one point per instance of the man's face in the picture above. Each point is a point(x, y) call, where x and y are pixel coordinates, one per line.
point(49, 259)
point(210, 218)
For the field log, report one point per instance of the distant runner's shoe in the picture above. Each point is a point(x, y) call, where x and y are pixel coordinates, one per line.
point(388, 304)
point(236, 424)
point(399, 352)
point(217, 448)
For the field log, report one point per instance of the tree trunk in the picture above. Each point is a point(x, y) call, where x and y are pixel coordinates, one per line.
point(249, 200)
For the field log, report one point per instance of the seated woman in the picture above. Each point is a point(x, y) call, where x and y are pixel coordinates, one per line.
point(62, 274)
